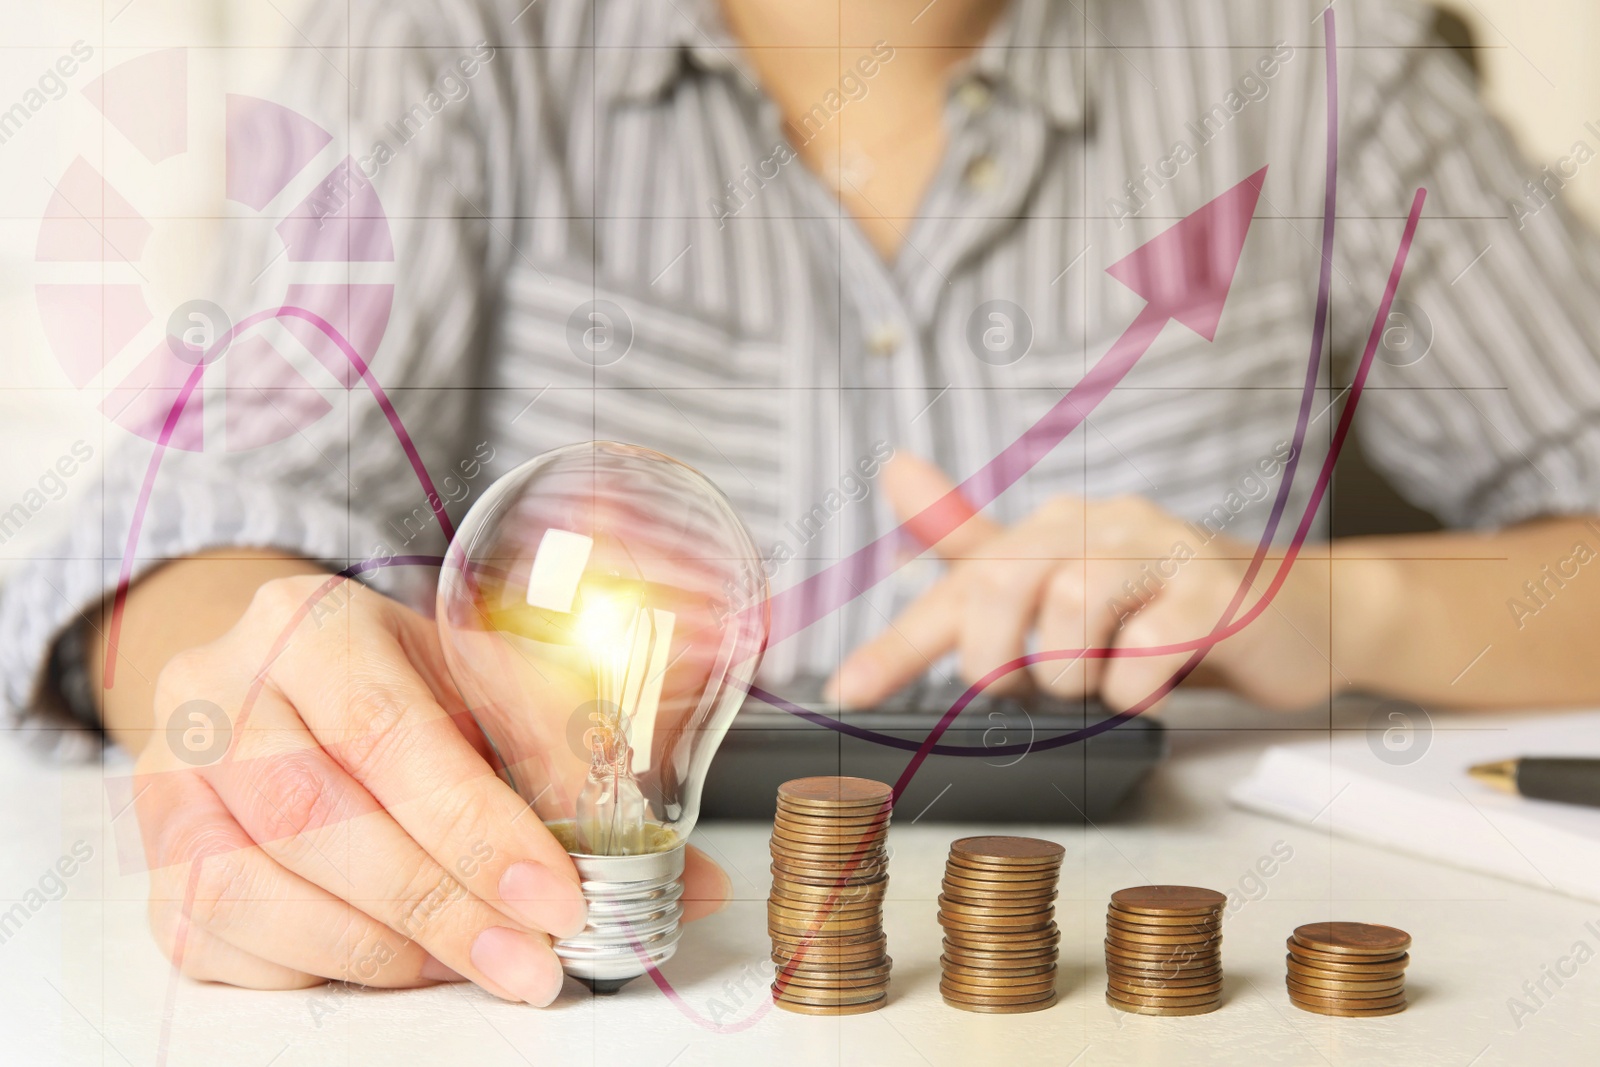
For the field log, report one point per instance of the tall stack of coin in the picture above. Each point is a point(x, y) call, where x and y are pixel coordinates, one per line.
point(998, 914)
point(1353, 969)
point(825, 914)
point(1164, 950)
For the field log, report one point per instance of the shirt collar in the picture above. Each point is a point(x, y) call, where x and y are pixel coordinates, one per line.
point(1035, 50)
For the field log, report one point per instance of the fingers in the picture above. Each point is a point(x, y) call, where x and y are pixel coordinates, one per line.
point(377, 718)
point(903, 650)
point(1062, 626)
point(316, 821)
point(937, 516)
point(1179, 613)
point(1082, 609)
point(933, 510)
point(986, 605)
point(1002, 599)
point(220, 906)
point(706, 887)
point(210, 959)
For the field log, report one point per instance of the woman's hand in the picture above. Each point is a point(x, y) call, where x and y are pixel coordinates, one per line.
point(342, 825)
point(1118, 574)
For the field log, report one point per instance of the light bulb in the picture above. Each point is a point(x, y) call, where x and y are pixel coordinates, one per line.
point(602, 610)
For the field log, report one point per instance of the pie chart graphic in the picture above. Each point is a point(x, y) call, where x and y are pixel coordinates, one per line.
point(333, 256)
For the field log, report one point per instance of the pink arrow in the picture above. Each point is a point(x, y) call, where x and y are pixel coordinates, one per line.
point(1184, 273)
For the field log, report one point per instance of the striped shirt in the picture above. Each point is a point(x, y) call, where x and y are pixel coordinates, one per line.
point(609, 235)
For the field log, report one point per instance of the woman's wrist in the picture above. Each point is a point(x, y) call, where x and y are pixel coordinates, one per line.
point(183, 605)
point(1374, 615)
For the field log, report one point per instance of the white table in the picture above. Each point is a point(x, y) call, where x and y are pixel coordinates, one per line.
point(81, 981)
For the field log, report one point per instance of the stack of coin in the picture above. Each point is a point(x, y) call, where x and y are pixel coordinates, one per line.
point(1352, 969)
point(1164, 950)
point(825, 914)
point(1000, 935)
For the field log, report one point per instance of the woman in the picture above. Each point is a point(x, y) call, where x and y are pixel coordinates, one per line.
point(781, 247)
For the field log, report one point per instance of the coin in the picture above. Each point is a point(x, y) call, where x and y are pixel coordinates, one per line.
point(820, 998)
point(1335, 959)
point(1022, 851)
point(1158, 954)
point(834, 909)
point(1324, 993)
point(986, 936)
point(984, 924)
point(833, 815)
point(1163, 1009)
point(1163, 950)
point(1032, 891)
point(832, 959)
point(825, 909)
point(1007, 875)
point(1004, 1009)
point(954, 967)
point(1347, 938)
point(1159, 994)
point(1345, 984)
point(1195, 930)
point(830, 1009)
point(1175, 998)
point(1192, 978)
point(831, 791)
point(982, 956)
point(1348, 1012)
point(1305, 1000)
point(1168, 900)
point(1026, 986)
point(997, 910)
point(1347, 968)
point(849, 894)
point(831, 992)
point(824, 877)
point(1342, 973)
point(999, 907)
point(992, 998)
point(875, 967)
point(842, 845)
point(846, 851)
point(1144, 942)
point(824, 925)
point(1148, 919)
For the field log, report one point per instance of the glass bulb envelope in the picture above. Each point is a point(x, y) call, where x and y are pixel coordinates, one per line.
point(602, 611)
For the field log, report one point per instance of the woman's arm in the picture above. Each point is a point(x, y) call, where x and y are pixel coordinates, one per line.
point(1429, 617)
point(1499, 619)
point(183, 605)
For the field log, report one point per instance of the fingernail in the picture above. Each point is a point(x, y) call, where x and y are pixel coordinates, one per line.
point(519, 964)
point(543, 899)
point(434, 971)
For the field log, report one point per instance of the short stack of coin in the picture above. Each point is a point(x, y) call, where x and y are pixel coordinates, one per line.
point(998, 914)
point(1349, 969)
point(1164, 950)
point(825, 914)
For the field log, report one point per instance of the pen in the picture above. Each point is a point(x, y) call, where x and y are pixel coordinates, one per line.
point(1561, 778)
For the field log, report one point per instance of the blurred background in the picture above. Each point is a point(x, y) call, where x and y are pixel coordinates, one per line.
point(1536, 62)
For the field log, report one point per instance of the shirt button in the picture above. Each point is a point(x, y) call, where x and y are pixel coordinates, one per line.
point(974, 95)
point(884, 340)
point(983, 173)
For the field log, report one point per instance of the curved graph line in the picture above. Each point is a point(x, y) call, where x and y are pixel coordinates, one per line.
point(1291, 467)
point(327, 328)
point(1225, 627)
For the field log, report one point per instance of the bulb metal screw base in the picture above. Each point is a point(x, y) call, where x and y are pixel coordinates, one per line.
point(635, 918)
